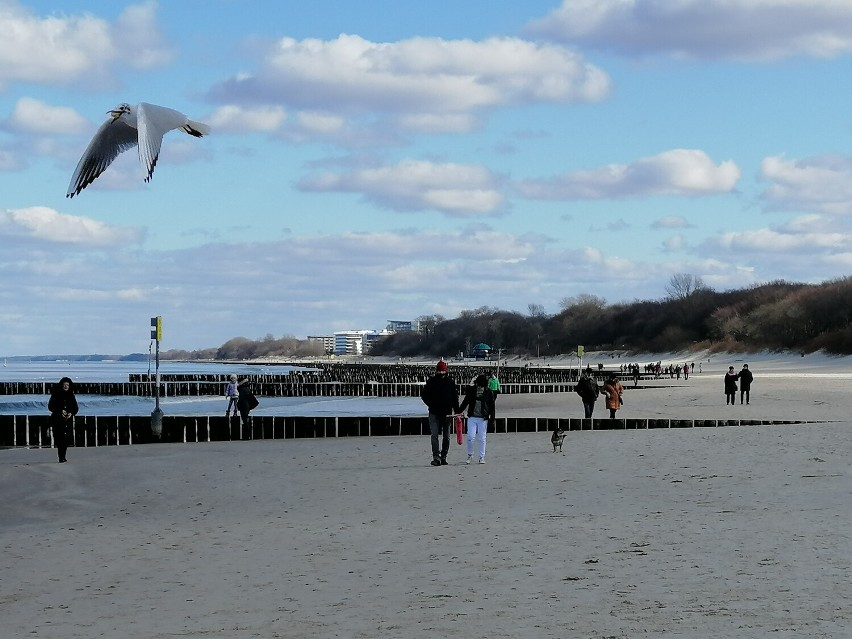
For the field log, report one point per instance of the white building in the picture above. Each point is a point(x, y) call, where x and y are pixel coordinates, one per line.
point(356, 342)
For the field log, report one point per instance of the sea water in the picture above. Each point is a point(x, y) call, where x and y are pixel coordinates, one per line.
point(115, 371)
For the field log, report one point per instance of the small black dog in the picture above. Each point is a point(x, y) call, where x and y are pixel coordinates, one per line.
point(556, 439)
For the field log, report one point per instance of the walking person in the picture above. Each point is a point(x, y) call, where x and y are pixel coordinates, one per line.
point(613, 391)
point(587, 389)
point(479, 400)
point(232, 395)
point(246, 402)
point(63, 407)
point(730, 386)
point(746, 378)
point(441, 396)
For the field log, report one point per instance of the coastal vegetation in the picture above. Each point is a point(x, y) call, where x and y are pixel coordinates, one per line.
point(774, 316)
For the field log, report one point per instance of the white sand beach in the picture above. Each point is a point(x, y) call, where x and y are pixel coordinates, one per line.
point(710, 532)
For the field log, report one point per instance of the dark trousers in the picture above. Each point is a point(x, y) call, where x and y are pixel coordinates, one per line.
point(60, 436)
point(744, 392)
point(440, 424)
point(589, 408)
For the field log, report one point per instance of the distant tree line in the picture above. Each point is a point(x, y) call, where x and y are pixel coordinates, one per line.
point(775, 316)
point(778, 315)
point(242, 348)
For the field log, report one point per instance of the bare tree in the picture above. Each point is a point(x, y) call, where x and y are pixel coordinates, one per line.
point(682, 285)
point(585, 300)
point(536, 311)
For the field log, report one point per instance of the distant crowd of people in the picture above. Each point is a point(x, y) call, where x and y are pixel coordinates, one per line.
point(440, 393)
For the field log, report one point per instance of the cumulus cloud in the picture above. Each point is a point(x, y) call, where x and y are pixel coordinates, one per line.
point(820, 184)
point(805, 248)
point(34, 116)
point(236, 119)
point(48, 226)
point(60, 49)
point(427, 82)
point(672, 222)
point(681, 172)
point(776, 241)
point(706, 29)
point(414, 185)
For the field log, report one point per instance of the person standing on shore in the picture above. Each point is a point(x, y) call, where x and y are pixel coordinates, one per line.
point(441, 396)
point(746, 378)
point(62, 407)
point(480, 403)
point(613, 391)
point(730, 386)
point(587, 389)
point(232, 395)
point(246, 402)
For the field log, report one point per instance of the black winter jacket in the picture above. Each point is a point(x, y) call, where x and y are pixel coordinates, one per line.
point(441, 395)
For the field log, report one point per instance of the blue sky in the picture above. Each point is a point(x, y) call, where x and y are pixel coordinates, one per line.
point(387, 160)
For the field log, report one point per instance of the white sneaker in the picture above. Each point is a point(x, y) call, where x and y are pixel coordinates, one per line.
point(469, 457)
point(482, 460)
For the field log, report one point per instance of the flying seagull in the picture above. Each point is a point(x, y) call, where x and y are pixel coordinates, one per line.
point(143, 125)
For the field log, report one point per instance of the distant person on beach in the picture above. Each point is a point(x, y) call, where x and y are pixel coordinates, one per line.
point(479, 401)
point(587, 389)
point(613, 391)
point(746, 378)
point(441, 396)
point(246, 401)
point(62, 407)
point(730, 386)
point(232, 395)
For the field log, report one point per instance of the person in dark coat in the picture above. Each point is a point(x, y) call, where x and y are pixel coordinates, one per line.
point(441, 396)
point(746, 378)
point(730, 386)
point(62, 406)
point(481, 413)
point(246, 401)
point(587, 389)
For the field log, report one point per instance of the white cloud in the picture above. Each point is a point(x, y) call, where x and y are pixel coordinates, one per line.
point(412, 185)
point(674, 243)
point(820, 184)
point(324, 123)
point(49, 226)
point(34, 116)
point(10, 161)
point(681, 172)
point(420, 79)
point(707, 29)
point(59, 49)
point(776, 241)
point(671, 222)
point(236, 119)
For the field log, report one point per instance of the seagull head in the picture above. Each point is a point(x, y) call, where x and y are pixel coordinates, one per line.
point(120, 110)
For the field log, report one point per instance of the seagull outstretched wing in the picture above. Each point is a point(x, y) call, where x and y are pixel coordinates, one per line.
point(113, 137)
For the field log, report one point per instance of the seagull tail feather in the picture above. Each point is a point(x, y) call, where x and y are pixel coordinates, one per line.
point(197, 129)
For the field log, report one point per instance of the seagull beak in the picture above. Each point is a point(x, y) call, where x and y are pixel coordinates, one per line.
point(115, 113)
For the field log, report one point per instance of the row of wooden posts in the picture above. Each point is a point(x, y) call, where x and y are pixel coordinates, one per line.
point(34, 430)
point(261, 389)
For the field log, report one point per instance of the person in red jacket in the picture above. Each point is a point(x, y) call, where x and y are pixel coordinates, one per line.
point(613, 391)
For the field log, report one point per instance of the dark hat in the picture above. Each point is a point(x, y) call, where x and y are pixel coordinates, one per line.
point(442, 367)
